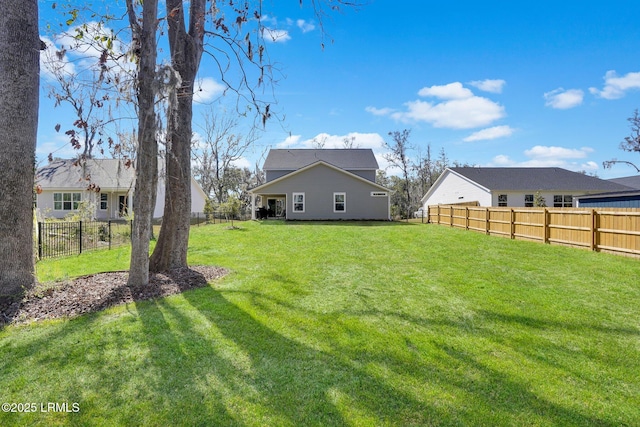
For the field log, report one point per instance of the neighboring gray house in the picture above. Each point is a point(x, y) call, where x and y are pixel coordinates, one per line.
point(106, 183)
point(514, 187)
point(332, 184)
point(618, 199)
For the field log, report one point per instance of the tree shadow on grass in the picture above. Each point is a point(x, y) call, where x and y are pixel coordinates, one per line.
point(296, 384)
point(200, 359)
point(492, 396)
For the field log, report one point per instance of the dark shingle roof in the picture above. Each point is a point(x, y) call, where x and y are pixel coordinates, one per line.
point(629, 181)
point(106, 173)
point(536, 179)
point(293, 159)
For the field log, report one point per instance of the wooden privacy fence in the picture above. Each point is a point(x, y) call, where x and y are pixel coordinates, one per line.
point(613, 230)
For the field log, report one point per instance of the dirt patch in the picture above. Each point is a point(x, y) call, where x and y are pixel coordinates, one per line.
point(96, 292)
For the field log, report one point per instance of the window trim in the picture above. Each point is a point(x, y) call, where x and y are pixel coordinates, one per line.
point(344, 202)
point(106, 202)
point(529, 203)
point(506, 200)
point(294, 203)
point(73, 203)
point(563, 203)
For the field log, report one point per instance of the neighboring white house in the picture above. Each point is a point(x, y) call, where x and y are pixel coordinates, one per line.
point(105, 183)
point(514, 187)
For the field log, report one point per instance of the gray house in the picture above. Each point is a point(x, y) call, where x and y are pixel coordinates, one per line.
point(332, 184)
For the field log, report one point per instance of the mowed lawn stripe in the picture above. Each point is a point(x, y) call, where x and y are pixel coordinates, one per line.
point(346, 324)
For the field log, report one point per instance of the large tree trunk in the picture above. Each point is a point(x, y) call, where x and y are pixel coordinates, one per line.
point(144, 195)
point(19, 79)
point(186, 51)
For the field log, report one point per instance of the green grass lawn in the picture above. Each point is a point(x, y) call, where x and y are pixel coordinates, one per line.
point(345, 324)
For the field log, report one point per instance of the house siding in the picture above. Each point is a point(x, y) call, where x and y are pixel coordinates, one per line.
point(611, 202)
point(44, 203)
point(369, 175)
point(453, 189)
point(319, 183)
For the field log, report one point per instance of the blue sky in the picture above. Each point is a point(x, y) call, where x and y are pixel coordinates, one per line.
point(498, 83)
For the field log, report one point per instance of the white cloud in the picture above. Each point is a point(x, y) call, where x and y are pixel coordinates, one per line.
point(207, 89)
point(271, 20)
point(275, 36)
point(489, 85)
point(546, 152)
point(290, 141)
point(563, 99)
point(242, 163)
point(593, 166)
point(53, 60)
point(80, 49)
point(490, 133)
point(379, 111)
point(616, 87)
point(360, 140)
point(459, 108)
point(449, 91)
point(455, 114)
point(543, 156)
point(502, 160)
point(305, 26)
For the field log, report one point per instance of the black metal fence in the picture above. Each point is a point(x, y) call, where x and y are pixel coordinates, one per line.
point(198, 218)
point(56, 239)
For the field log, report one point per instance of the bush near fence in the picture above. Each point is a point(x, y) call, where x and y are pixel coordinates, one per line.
point(614, 230)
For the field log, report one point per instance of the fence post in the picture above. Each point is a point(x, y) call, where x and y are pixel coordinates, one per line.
point(466, 220)
point(80, 234)
point(451, 215)
point(547, 229)
point(487, 221)
point(594, 229)
point(512, 234)
point(40, 224)
point(109, 233)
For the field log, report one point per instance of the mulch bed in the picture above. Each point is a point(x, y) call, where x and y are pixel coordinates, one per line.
point(96, 292)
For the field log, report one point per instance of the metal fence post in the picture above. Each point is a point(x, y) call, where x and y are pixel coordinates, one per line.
point(40, 224)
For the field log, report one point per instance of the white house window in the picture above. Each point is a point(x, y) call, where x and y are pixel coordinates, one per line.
point(298, 202)
point(528, 200)
point(66, 201)
point(502, 200)
point(339, 202)
point(562, 201)
point(104, 201)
